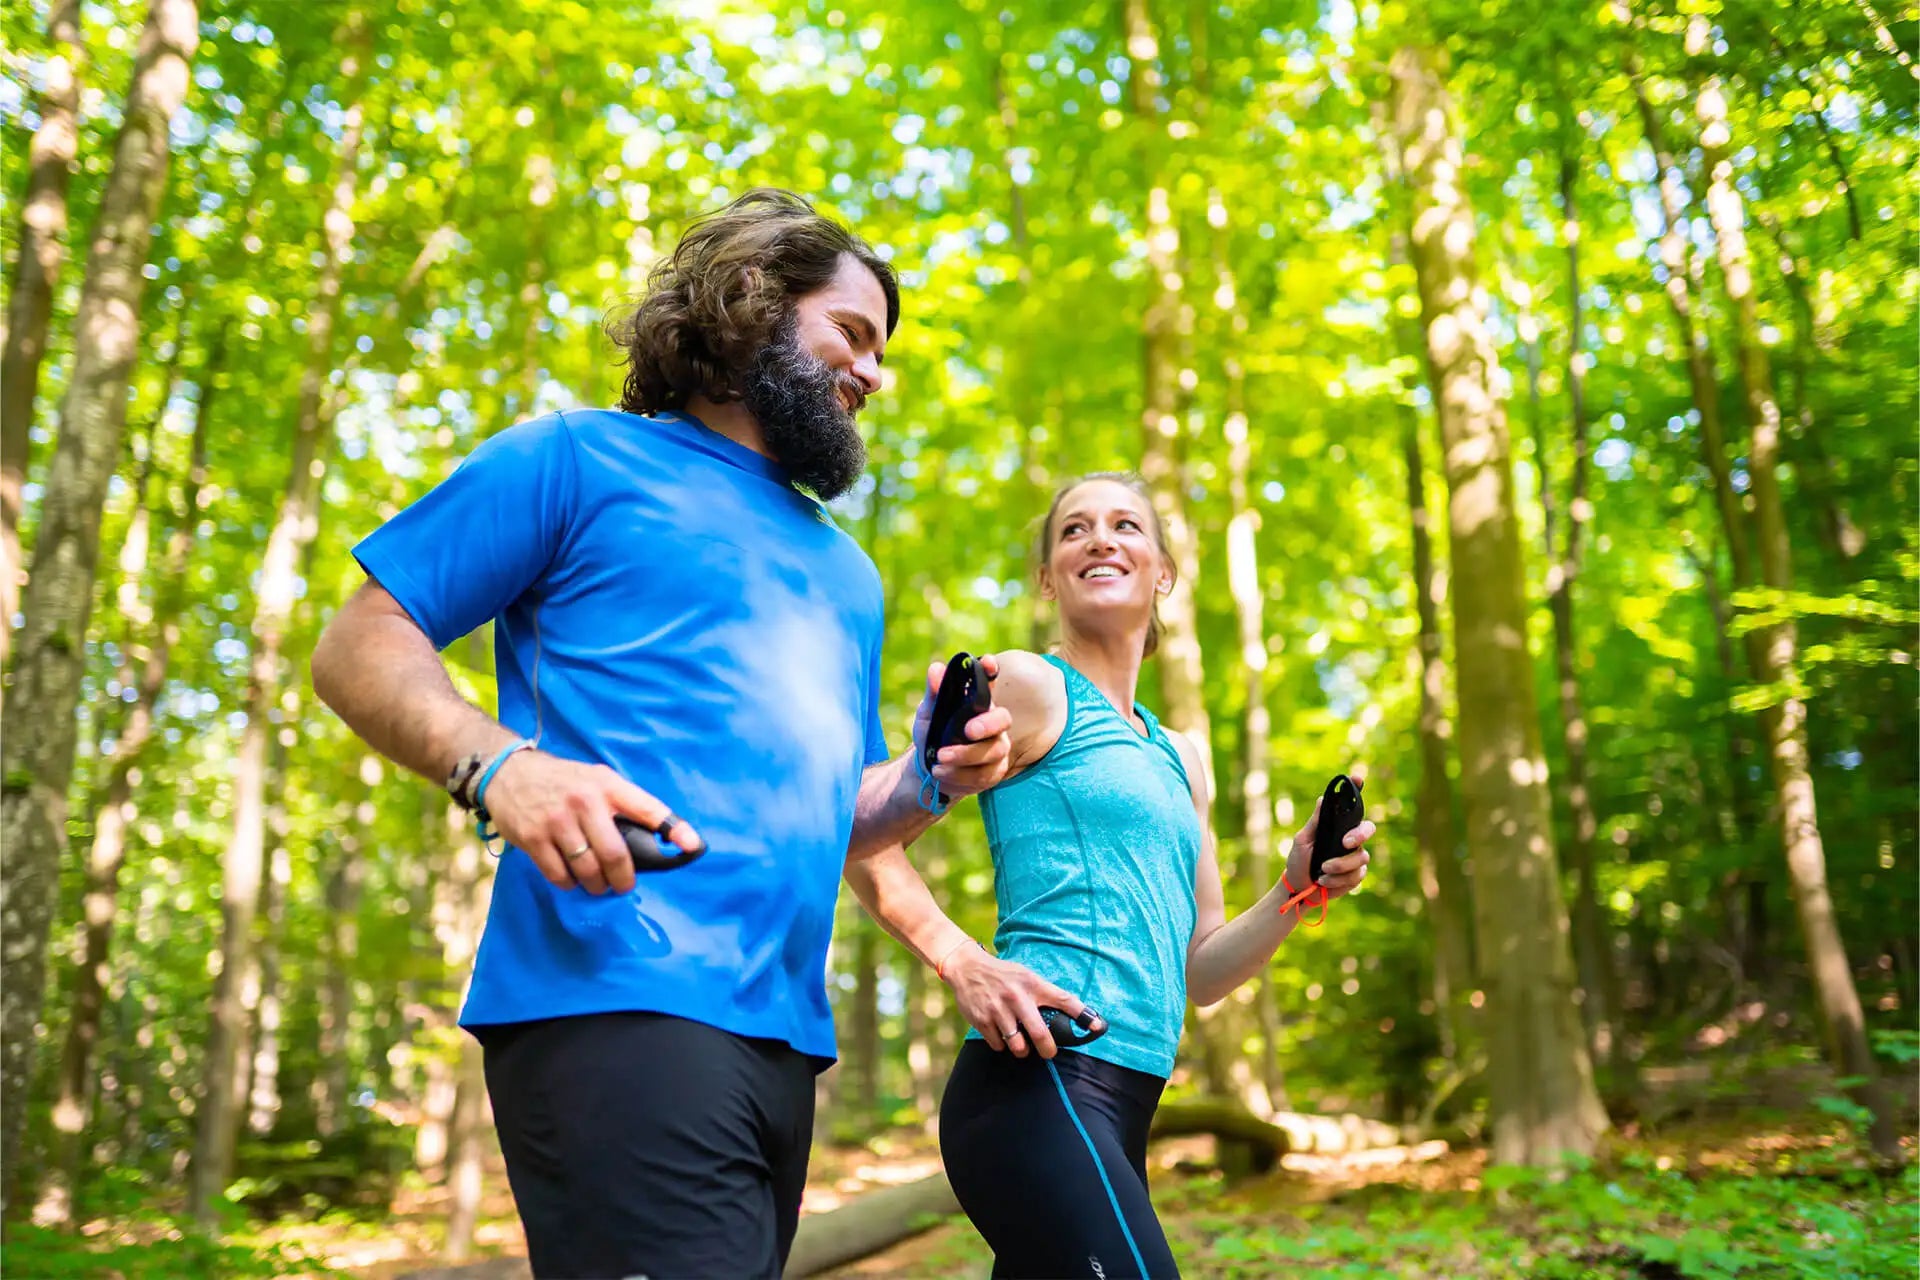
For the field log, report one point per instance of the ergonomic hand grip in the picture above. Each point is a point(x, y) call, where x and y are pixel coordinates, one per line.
point(644, 847)
point(1340, 812)
point(1070, 1033)
point(965, 692)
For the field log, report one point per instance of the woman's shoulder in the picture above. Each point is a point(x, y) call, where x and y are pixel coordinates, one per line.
point(1022, 677)
point(1034, 690)
point(1190, 760)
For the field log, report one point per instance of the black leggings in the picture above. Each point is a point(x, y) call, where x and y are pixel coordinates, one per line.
point(1049, 1159)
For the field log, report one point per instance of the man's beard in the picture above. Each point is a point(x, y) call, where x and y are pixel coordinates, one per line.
point(795, 396)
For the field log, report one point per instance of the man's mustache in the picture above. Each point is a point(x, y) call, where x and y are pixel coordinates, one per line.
point(856, 394)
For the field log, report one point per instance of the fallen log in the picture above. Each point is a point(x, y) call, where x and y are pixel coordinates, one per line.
point(869, 1223)
point(1248, 1144)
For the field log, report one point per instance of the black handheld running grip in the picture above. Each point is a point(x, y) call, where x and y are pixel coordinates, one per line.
point(1340, 812)
point(965, 692)
point(644, 847)
point(1070, 1033)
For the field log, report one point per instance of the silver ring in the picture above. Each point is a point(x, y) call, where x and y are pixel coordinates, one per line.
point(581, 852)
point(1009, 1035)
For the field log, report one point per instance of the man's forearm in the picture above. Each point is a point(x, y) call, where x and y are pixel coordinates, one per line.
point(898, 899)
point(381, 675)
point(888, 810)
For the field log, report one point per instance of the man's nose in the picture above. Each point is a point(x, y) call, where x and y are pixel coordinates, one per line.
point(866, 371)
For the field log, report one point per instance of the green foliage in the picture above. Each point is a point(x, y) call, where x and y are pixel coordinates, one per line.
point(356, 1170)
point(155, 1249)
point(1634, 1221)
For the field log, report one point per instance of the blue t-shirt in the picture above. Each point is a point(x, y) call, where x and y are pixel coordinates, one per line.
point(706, 631)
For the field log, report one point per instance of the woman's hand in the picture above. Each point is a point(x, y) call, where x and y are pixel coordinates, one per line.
point(1003, 999)
point(1340, 876)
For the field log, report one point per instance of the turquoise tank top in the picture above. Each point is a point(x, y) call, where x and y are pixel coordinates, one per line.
point(1094, 851)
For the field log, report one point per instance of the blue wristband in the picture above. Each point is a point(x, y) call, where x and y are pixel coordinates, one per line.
point(930, 798)
point(486, 776)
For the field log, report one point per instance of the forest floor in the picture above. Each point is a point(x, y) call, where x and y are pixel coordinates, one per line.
point(1718, 1179)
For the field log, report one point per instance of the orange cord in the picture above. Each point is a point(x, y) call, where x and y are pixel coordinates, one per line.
point(1294, 903)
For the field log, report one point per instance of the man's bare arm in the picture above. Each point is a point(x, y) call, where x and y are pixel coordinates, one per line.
point(378, 670)
point(380, 674)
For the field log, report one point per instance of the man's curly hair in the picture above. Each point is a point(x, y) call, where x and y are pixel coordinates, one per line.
point(723, 294)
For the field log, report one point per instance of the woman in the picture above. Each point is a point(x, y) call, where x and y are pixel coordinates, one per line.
point(1108, 890)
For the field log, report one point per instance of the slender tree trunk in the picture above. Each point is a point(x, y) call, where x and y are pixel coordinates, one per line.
point(1020, 380)
point(1703, 381)
point(472, 889)
point(1182, 678)
point(1541, 1079)
point(293, 530)
point(862, 1084)
point(1249, 602)
point(1442, 881)
point(1702, 377)
point(1843, 538)
point(466, 1168)
point(340, 944)
point(1784, 719)
point(38, 765)
point(263, 1086)
point(72, 1111)
point(43, 250)
point(1598, 996)
point(921, 1082)
point(1745, 904)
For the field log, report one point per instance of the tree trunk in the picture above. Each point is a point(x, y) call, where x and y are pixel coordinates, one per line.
point(1541, 1079)
point(1843, 538)
point(1703, 380)
point(1249, 603)
point(466, 1169)
point(1598, 999)
point(38, 765)
point(862, 1082)
point(339, 944)
point(1021, 381)
point(1785, 717)
point(262, 1098)
point(1182, 680)
point(871, 1222)
point(72, 1111)
point(1442, 882)
point(278, 589)
point(43, 250)
point(460, 917)
point(923, 1011)
point(1246, 1143)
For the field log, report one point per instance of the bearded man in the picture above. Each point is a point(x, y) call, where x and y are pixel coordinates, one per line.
point(683, 639)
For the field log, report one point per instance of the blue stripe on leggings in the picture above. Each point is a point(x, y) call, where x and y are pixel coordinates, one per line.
point(1099, 1168)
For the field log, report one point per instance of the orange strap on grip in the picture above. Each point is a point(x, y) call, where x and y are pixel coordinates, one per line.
point(1305, 896)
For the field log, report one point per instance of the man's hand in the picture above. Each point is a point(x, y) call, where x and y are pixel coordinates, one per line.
point(971, 767)
point(560, 813)
point(1002, 1000)
point(1341, 875)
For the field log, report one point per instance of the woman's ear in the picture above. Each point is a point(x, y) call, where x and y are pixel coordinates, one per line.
point(1045, 577)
